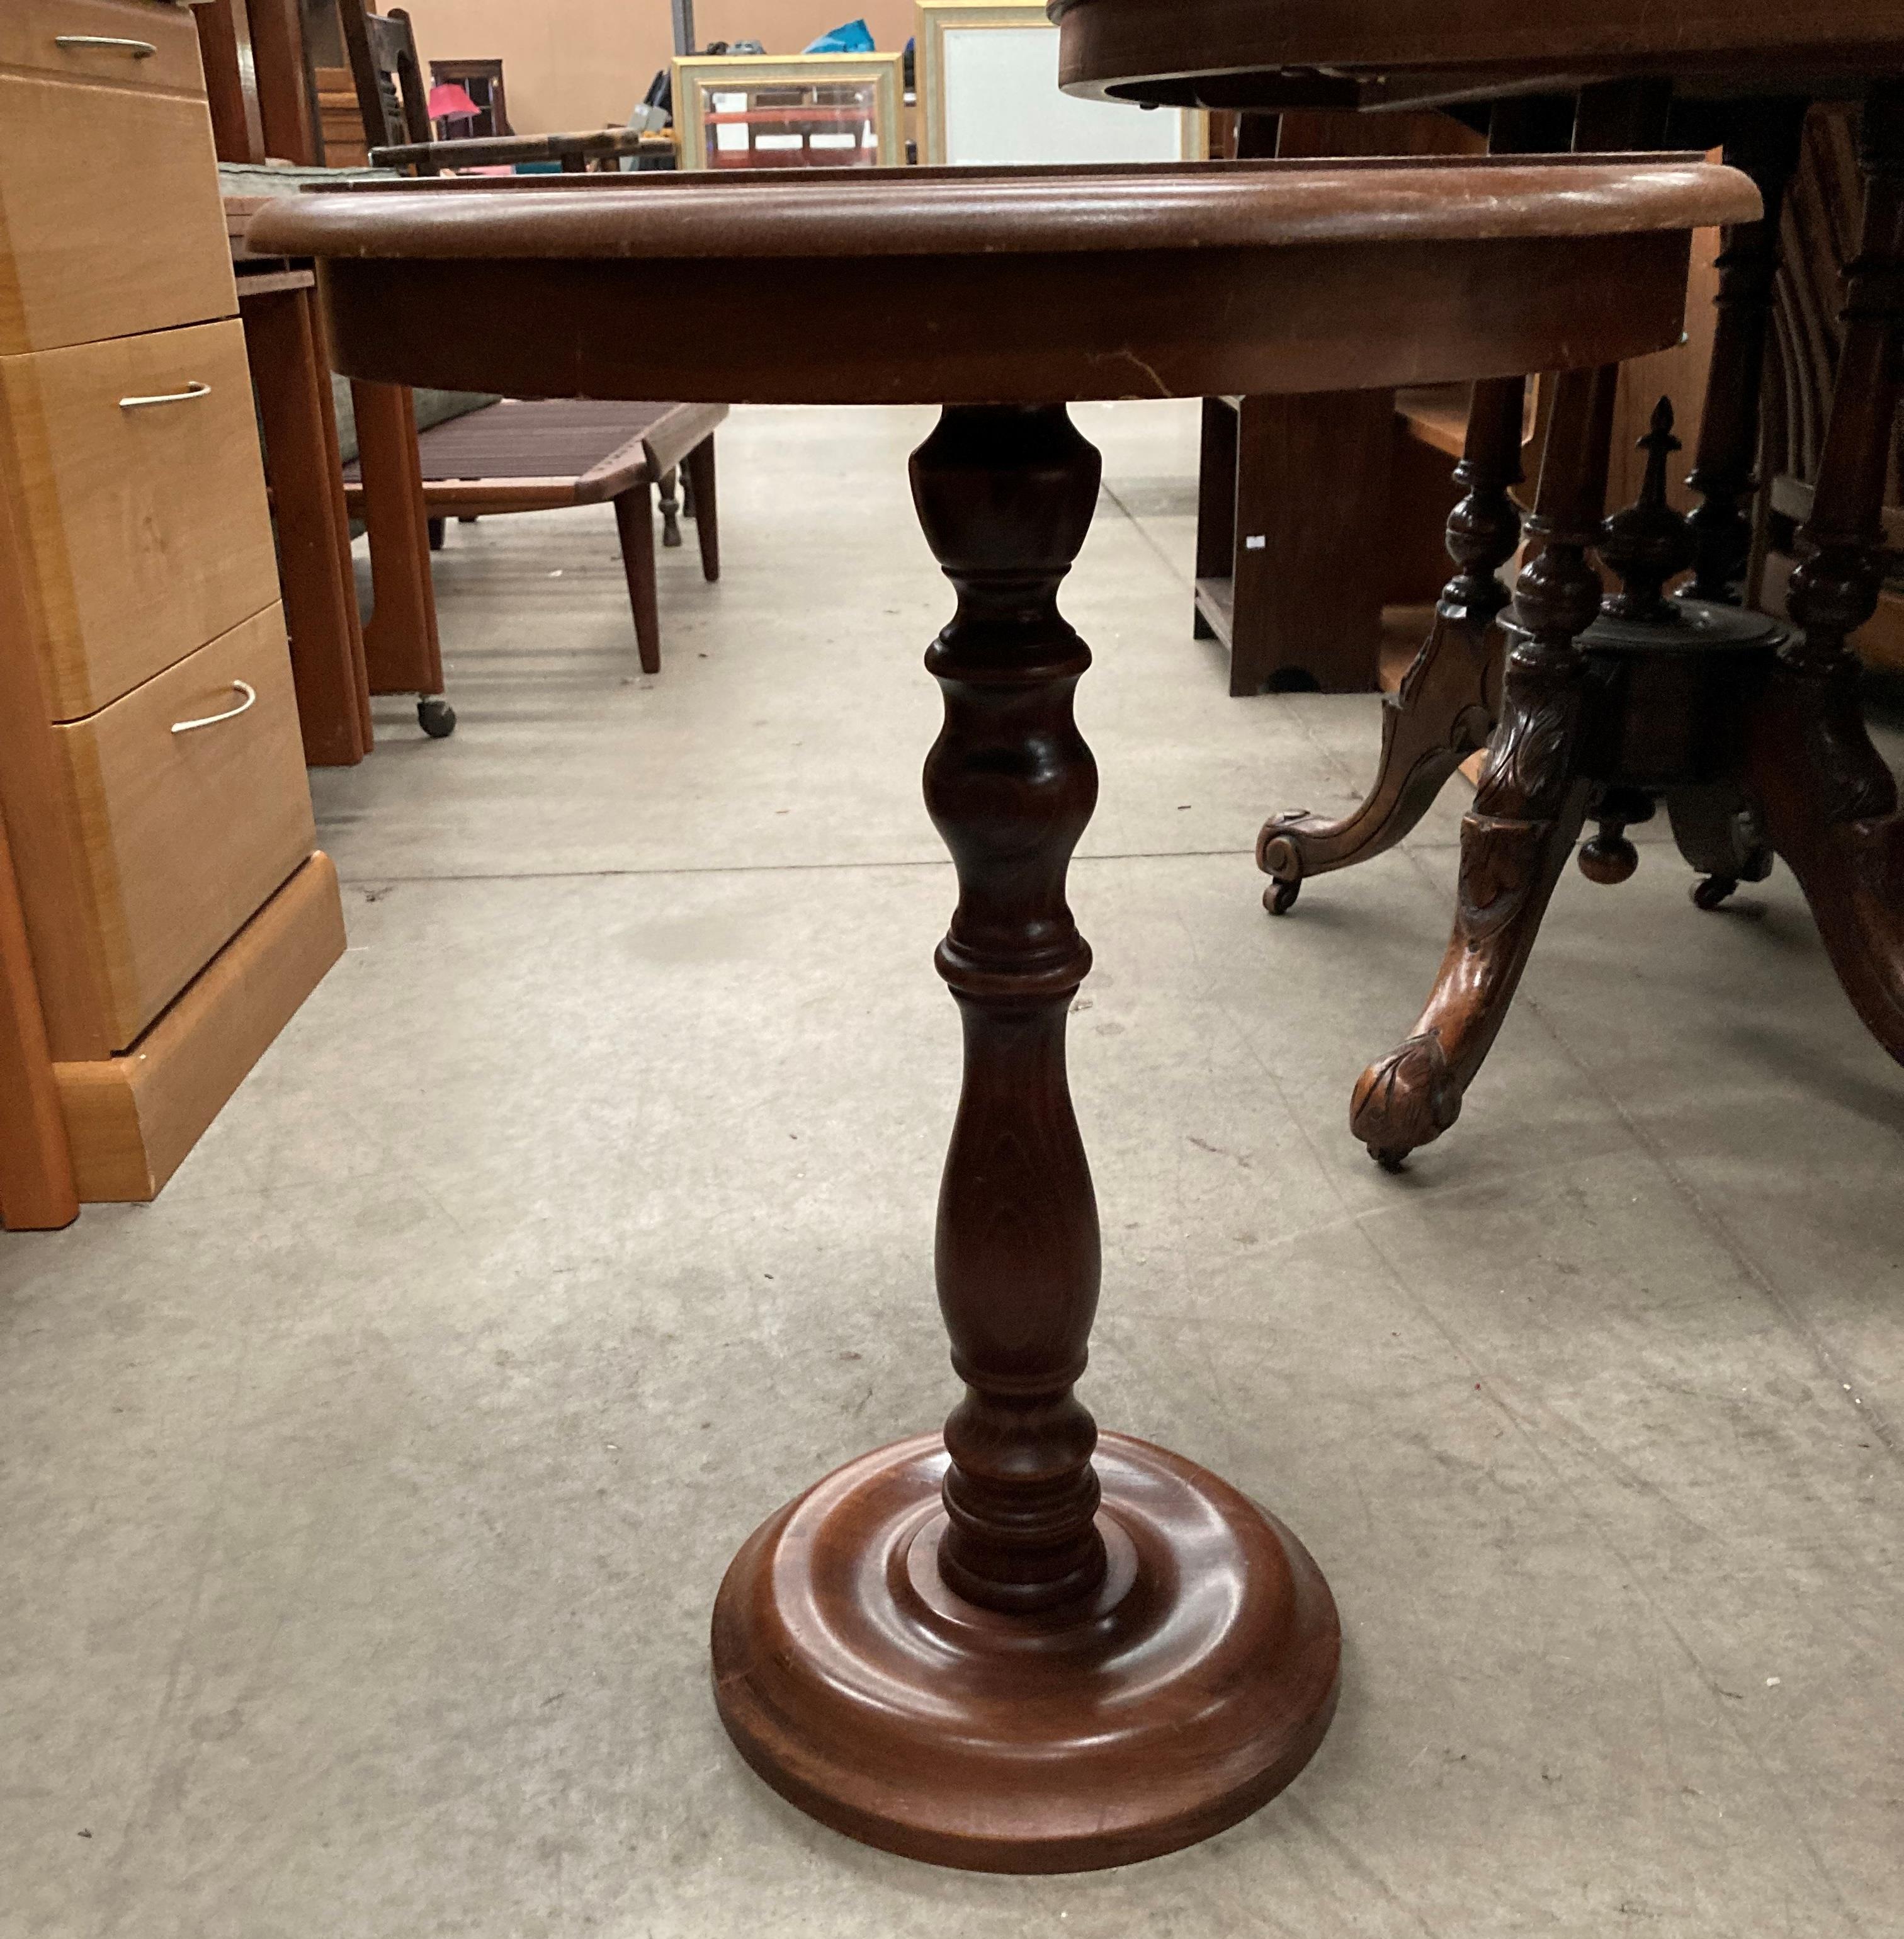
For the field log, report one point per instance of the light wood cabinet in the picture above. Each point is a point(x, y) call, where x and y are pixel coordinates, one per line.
point(157, 816)
point(139, 496)
point(111, 220)
point(134, 1118)
point(104, 41)
point(185, 828)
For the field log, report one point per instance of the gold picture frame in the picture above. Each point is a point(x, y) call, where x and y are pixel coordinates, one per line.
point(936, 18)
point(696, 75)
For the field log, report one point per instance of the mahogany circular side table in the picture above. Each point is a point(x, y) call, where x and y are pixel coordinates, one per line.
point(1024, 1646)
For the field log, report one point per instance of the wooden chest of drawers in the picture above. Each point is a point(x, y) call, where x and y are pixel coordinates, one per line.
point(151, 779)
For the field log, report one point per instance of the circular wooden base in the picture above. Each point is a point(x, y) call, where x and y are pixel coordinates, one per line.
point(1186, 1691)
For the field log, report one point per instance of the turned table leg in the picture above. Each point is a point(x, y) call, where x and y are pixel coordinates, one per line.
point(1763, 142)
point(1025, 1646)
point(1011, 784)
point(1531, 802)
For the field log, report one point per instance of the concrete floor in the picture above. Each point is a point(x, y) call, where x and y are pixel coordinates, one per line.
point(365, 1497)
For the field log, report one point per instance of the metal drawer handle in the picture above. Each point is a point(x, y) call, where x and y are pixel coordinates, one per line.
point(245, 706)
point(193, 389)
point(138, 49)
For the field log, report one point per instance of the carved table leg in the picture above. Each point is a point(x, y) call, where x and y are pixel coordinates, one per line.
point(1531, 802)
point(1448, 699)
point(1830, 803)
point(994, 1651)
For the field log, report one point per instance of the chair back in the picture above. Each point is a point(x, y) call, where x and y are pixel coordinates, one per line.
point(1818, 238)
point(392, 96)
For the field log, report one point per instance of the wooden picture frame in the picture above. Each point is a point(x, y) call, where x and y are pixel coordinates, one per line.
point(483, 81)
point(876, 77)
point(957, 129)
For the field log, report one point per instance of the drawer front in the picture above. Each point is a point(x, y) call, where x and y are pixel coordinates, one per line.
point(62, 37)
point(145, 526)
point(111, 220)
point(186, 833)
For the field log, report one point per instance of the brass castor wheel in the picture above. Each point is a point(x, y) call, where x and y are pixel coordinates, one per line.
point(1279, 898)
point(1713, 890)
point(436, 716)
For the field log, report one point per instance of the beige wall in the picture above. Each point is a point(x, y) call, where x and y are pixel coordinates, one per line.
point(584, 63)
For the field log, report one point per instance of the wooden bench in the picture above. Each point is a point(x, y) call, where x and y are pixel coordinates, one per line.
point(539, 456)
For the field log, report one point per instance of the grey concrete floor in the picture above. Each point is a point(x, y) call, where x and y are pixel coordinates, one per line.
point(364, 1498)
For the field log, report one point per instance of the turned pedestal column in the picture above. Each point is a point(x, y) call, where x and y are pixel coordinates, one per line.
point(1025, 1647)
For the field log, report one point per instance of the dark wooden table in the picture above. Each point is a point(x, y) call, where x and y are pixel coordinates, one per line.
point(1258, 54)
point(1752, 741)
point(1024, 1646)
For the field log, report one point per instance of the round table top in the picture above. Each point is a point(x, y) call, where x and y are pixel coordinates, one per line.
point(1005, 286)
point(1373, 53)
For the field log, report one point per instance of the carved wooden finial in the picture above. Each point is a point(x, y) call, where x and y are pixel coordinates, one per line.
point(1649, 542)
point(1659, 444)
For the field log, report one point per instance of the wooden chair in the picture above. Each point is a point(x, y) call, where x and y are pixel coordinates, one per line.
point(394, 99)
point(392, 95)
point(1818, 240)
point(257, 58)
point(535, 456)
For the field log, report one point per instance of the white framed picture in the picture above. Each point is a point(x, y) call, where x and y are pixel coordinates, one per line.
point(987, 74)
point(787, 110)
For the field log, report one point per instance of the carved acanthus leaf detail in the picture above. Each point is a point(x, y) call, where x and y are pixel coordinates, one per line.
point(1527, 764)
